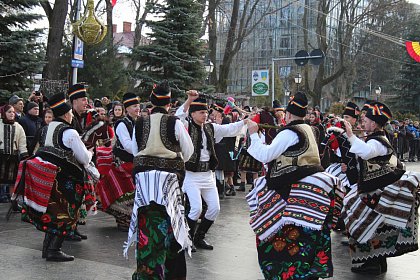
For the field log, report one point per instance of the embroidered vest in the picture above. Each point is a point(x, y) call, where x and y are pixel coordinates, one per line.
point(118, 149)
point(52, 149)
point(197, 139)
point(157, 144)
point(297, 162)
point(380, 171)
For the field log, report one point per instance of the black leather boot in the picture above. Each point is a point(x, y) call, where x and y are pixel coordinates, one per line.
point(371, 267)
point(73, 237)
point(82, 236)
point(220, 189)
point(54, 253)
point(47, 240)
point(230, 191)
point(201, 233)
point(384, 265)
point(192, 225)
point(241, 187)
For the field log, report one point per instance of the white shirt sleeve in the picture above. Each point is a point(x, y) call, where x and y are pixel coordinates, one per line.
point(266, 153)
point(182, 115)
point(134, 146)
point(366, 150)
point(124, 137)
point(71, 139)
point(184, 139)
point(227, 130)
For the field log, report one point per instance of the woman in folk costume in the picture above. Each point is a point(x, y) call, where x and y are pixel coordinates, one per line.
point(116, 187)
point(12, 150)
point(56, 182)
point(161, 145)
point(295, 206)
point(381, 214)
point(199, 176)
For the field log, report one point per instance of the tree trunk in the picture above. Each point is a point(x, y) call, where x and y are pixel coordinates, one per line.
point(56, 18)
point(228, 56)
point(212, 39)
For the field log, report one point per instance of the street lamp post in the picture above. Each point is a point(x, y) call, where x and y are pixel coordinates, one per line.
point(378, 91)
point(298, 80)
point(209, 66)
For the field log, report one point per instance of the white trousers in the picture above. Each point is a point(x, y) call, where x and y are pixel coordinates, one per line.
point(205, 189)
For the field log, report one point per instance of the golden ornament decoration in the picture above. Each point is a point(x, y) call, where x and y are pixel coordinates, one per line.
point(89, 29)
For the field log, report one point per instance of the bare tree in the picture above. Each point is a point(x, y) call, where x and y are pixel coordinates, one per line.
point(56, 18)
point(352, 14)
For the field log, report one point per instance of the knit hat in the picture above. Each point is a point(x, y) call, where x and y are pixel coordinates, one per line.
point(161, 94)
point(14, 99)
point(351, 110)
point(298, 104)
point(130, 99)
point(58, 104)
point(198, 105)
point(379, 113)
point(31, 105)
point(76, 91)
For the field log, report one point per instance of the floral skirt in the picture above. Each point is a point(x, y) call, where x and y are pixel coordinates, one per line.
point(63, 210)
point(157, 250)
point(296, 252)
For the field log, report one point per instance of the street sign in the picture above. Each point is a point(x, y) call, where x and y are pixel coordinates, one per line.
point(317, 56)
point(75, 63)
point(301, 57)
point(78, 49)
point(260, 82)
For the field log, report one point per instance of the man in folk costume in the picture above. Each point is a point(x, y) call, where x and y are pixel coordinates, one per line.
point(345, 165)
point(79, 103)
point(161, 145)
point(56, 182)
point(199, 176)
point(295, 206)
point(381, 214)
point(116, 187)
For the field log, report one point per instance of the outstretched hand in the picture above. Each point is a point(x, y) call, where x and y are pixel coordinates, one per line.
point(192, 94)
point(252, 127)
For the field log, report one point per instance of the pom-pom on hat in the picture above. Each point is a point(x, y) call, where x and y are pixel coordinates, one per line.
point(379, 113)
point(198, 105)
point(351, 110)
point(130, 99)
point(58, 104)
point(76, 91)
point(298, 104)
point(161, 94)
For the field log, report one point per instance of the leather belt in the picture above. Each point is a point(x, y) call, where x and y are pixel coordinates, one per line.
point(203, 166)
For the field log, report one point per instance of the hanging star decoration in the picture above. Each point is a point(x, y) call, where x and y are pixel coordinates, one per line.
point(413, 49)
point(89, 29)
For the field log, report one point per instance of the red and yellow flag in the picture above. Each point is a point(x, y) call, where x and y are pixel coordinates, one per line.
point(413, 49)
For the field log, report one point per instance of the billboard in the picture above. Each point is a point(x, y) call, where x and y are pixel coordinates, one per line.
point(260, 82)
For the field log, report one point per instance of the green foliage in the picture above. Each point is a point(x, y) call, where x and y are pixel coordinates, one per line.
point(20, 54)
point(176, 52)
point(336, 108)
point(103, 71)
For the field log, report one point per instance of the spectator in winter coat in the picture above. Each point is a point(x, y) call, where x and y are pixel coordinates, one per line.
point(31, 122)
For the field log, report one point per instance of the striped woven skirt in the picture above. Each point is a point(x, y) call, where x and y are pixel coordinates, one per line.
point(384, 222)
point(293, 235)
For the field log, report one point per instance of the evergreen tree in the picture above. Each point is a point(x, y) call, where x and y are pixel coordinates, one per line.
point(176, 51)
point(103, 71)
point(408, 84)
point(20, 54)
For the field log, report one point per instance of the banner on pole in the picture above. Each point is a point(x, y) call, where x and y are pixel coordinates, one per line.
point(260, 83)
